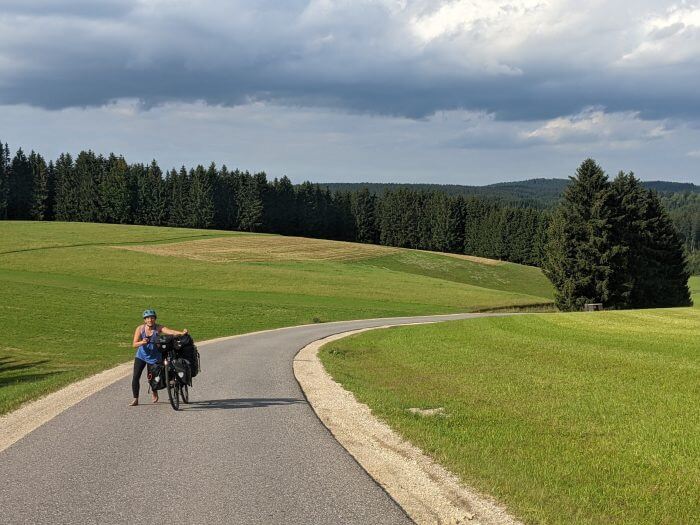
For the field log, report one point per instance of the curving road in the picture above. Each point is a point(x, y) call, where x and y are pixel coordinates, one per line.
point(248, 449)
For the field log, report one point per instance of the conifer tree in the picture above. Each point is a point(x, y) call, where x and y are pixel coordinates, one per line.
point(650, 268)
point(201, 197)
point(67, 204)
point(364, 209)
point(342, 218)
point(447, 223)
point(4, 179)
point(39, 209)
point(20, 187)
point(579, 251)
point(225, 206)
point(283, 212)
point(51, 200)
point(179, 209)
point(115, 192)
point(398, 218)
point(154, 196)
point(88, 175)
point(664, 268)
point(250, 205)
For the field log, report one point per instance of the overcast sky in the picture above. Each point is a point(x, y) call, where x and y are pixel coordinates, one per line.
point(462, 92)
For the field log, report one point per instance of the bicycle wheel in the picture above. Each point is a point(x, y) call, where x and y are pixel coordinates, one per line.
point(173, 387)
point(185, 393)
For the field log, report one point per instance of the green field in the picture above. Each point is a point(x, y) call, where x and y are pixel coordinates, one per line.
point(72, 293)
point(565, 418)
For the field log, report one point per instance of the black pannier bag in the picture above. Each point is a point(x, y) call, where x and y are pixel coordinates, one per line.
point(156, 377)
point(183, 341)
point(165, 343)
point(183, 370)
point(185, 348)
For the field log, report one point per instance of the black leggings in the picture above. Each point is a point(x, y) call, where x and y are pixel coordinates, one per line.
point(139, 365)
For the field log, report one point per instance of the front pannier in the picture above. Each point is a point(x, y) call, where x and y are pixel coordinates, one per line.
point(183, 370)
point(185, 348)
point(156, 377)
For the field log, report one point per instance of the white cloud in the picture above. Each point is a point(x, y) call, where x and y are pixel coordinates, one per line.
point(670, 38)
point(595, 126)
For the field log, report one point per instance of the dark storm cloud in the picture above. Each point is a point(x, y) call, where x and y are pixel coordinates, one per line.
point(380, 57)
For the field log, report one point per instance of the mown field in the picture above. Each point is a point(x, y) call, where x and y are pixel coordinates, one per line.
point(566, 418)
point(72, 293)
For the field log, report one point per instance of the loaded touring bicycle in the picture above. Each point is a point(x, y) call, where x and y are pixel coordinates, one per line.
point(180, 364)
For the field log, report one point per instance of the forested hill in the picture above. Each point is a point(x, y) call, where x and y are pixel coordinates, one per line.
point(536, 192)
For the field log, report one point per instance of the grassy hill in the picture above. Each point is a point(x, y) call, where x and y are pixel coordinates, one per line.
point(566, 418)
point(71, 294)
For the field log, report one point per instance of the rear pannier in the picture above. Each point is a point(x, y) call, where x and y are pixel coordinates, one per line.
point(183, 370)
point(156, 377)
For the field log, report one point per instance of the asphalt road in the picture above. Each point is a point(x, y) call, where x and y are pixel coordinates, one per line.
point(248, 449)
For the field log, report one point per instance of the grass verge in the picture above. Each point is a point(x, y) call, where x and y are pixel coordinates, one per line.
point(566, 418)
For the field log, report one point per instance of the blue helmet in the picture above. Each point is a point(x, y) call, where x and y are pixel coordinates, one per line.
point(149, 313)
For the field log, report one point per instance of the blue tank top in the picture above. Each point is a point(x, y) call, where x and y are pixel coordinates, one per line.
point(149, 352)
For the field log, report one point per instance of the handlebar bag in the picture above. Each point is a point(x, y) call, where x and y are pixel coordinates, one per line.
point(165, 342)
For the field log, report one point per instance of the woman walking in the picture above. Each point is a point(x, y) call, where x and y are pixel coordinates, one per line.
point(145, 339)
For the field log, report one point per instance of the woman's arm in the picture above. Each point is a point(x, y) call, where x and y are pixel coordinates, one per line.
point(137, 338)
point(168, 331)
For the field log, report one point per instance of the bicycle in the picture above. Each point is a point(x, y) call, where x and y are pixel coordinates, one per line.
point(177, 375)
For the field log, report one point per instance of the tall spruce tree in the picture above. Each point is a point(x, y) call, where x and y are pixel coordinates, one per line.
point(178, 188)
point(20, 187)
point(666, 272)
point(579, 252)
point(224, 200)
point(201, 197)
point(4, 179)
point(651, 268)
point(51, 200)
point(158, 215)
point(67, 205)
point(88, 174)
point(250, 204)
point(283, 212)
point(364, 208)
point(39, 209)
point(115, 192)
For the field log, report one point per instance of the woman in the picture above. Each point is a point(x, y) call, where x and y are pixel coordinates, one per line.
point(145, 339)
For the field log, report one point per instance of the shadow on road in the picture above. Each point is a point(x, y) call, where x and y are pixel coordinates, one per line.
point(257, 402)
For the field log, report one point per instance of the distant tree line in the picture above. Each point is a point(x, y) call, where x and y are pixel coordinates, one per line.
point(94, 188)
point(682, 200)
point(613, 242)
point(684, 210)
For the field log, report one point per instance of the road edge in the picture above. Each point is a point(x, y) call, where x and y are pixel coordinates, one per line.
point(426, 491)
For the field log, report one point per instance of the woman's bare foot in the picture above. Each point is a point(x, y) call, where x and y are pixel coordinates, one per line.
point(154, 397)
point(135, 402)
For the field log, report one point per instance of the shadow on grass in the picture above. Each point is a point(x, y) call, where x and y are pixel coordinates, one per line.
point(227, 404)
point(8, 364)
